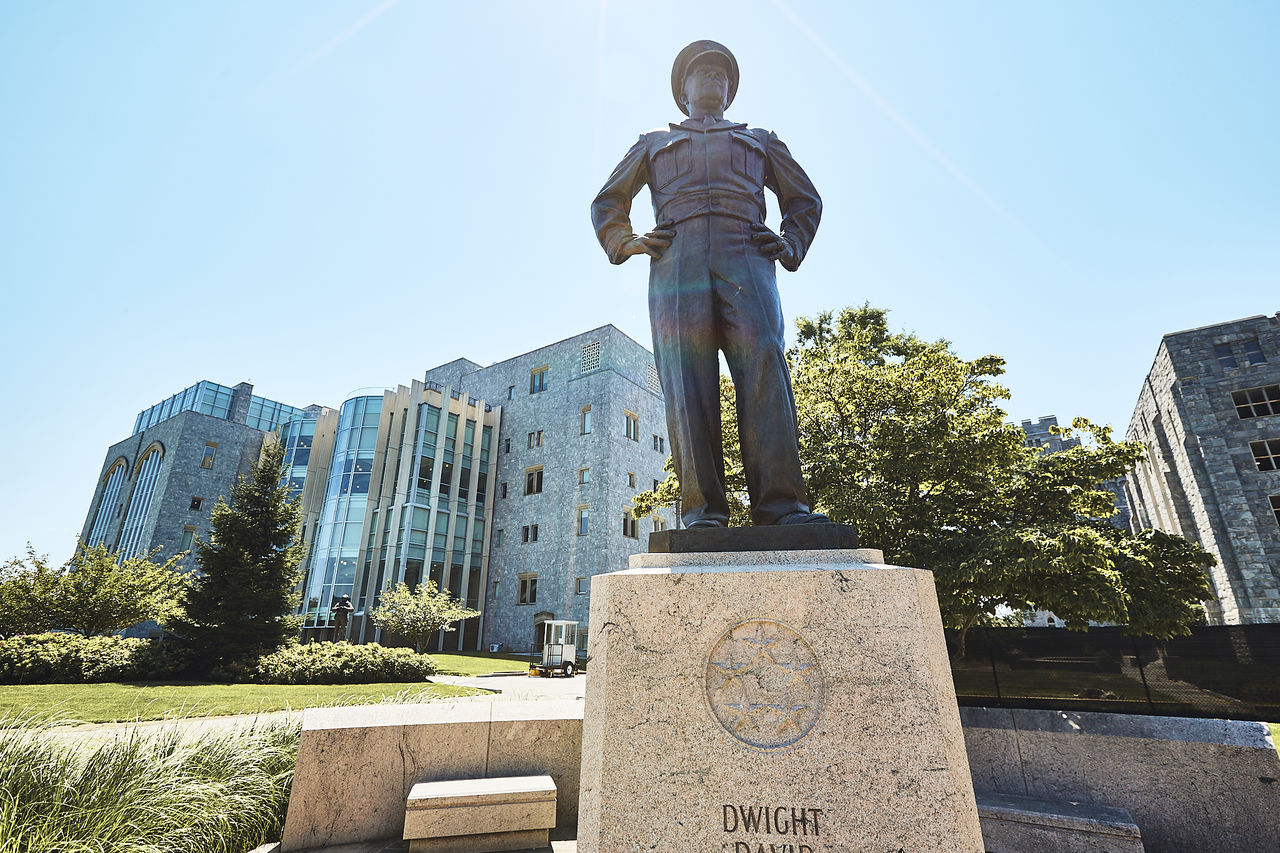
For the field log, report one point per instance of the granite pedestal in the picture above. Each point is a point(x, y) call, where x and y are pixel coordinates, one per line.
point(776, 701)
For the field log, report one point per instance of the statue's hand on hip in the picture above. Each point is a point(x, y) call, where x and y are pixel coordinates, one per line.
point(652, 243)
point(775, 247)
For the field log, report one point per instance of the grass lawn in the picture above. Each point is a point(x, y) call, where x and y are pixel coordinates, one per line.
point(479, 663)
point(112, 702)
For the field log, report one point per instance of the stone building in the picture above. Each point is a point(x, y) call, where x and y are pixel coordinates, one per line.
point(509, 485)
point(1209, 415)
point(157, 486)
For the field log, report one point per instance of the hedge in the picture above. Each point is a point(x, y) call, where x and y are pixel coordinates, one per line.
point(70, 658)
point(342, 663)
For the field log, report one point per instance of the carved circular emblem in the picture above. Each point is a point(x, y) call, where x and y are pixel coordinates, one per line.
point(764, 684)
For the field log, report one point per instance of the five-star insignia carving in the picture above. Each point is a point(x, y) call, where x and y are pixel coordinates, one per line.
point(764, 684)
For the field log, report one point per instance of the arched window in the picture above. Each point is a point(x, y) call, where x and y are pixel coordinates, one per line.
point(143, 488)
point(110, 494)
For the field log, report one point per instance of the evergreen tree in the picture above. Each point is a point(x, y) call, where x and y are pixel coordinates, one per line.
point(243, 605)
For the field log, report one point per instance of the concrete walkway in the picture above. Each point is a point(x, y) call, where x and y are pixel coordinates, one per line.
point(503, 687)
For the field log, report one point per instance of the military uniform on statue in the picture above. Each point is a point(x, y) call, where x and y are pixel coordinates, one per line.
point(712, 286)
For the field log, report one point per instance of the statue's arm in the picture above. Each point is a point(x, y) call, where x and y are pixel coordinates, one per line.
point(797, 199)
point(611, 210)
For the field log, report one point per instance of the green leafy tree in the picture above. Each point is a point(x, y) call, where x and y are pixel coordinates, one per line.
point(94, 593)
point(908, 441)
point(27, 595)
point(98, 595)
point(417, 615)
point(243, 603)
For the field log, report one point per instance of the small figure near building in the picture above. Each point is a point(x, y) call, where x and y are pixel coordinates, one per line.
point(341, 612)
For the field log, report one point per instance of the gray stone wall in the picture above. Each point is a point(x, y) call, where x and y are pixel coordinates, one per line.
point(618, 384)
point(1200, 480)
point(179, 479)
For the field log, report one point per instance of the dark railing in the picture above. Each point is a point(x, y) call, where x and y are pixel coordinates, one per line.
point(1229, 672)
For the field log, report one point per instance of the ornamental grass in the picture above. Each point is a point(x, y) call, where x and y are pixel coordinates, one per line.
point(144, 790)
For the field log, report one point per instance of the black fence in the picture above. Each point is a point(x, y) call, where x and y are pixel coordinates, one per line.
point(1229, 672)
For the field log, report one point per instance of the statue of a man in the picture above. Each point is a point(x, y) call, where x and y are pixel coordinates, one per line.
point(712, 286)
point(341, 612)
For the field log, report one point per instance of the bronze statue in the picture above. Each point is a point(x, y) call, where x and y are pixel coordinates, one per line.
point(341, 610)
point(712, 286)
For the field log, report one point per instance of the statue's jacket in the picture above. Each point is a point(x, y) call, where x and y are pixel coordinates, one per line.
point(717, 169)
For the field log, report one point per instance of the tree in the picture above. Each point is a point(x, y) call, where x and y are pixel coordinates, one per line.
point(243, 603)
point(98, 595)
point(418, 615)
point(908, 441)
point(95, 592)
point(27, 589)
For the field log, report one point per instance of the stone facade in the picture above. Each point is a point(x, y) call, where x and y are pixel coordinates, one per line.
point(1202, 479)
point(615, 379)
point(182, 439)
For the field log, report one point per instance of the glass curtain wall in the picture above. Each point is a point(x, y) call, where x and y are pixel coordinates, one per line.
point(206, 397)
point(297, 435)
point(332, 570)
point(110, 494)
point(140, 503)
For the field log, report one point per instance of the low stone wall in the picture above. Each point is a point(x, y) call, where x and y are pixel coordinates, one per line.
point(357, 765)
point(1190, 785)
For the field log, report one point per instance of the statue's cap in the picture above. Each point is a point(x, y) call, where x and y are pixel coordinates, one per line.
point(705, 49)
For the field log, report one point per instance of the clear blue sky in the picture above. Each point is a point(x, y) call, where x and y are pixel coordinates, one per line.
point(318, 196)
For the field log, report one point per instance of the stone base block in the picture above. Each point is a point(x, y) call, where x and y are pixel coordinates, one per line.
point(795, 701)
point(481, 814)
point(1018, 824)
point(492, 842)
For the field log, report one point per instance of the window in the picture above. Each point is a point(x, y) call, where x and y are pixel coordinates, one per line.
point(659, 523)
point(506, 445)
point(511, 392)
point(1266, 454)
point(188, 538)
point(590, 357)
point(1275, 506)
point(497, 538)
point(632, 426)
point(586, 420)
point(659, 444)
point(196, 503)
point(1253, 352)
point(584, 521)
point(1257, 402)
point(584, 475)
point(538, 379)
point(630, 528)
point(631, 480)
point(533, 481)
point(656, 483)
point(502, 489)
point(1226, 358)
point(582, 586)
point(535, 439)
point(528, 593)
point(529, 533)
point(210, 451)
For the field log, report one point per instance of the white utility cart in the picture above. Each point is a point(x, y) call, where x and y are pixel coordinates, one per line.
point(559, 650)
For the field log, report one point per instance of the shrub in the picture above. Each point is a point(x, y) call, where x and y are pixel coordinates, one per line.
point(342, 663)
point(70, 658)
point(224, 791)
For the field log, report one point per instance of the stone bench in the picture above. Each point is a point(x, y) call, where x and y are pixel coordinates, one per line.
point(1018, 824)
point(480, 815)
